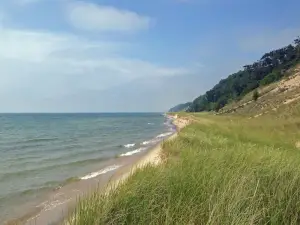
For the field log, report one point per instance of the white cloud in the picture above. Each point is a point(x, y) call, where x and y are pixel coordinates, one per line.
point(52, 71)
point(36, 66)
point(92, 17)
point(29, 46)
point(38, 46)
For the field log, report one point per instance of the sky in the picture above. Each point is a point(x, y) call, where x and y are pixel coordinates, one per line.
point(130, 55)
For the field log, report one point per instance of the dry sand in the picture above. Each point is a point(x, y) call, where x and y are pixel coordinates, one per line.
point(290, 83)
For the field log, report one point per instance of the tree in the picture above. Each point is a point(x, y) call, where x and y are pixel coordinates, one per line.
point(269, 68)
point(218, 106)
point(255, 95)
point(270, 78)
point(297, 41)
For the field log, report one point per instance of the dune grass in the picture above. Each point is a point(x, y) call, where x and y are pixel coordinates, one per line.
point(220, 170)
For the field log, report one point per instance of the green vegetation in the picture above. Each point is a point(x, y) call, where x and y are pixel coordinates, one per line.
point(180, 107)
point(270, 68)
point(270, 78)
point(255, 95)
point(220, 170)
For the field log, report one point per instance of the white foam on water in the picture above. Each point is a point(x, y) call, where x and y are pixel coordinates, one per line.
point(146, 142)
point(149, 142)
point(133, 152)
point(105, 170)
point(129, 145)
point(164, 135)
point(150, 123)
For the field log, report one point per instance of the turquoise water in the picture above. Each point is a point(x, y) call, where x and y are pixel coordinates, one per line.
point(39, 152)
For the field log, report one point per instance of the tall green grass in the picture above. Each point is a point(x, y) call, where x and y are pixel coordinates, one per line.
point(220, 170)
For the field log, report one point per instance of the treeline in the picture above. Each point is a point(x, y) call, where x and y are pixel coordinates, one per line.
point(181, 107)
point(270, 68)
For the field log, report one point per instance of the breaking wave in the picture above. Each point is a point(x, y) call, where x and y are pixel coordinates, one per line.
point(164, 135)
point(133, 152)
point(129, 145)
point(103, 171)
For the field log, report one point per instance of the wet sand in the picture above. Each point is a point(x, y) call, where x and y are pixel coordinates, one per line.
point(61, 202)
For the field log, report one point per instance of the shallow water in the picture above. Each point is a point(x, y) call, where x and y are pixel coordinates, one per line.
point(42, 152)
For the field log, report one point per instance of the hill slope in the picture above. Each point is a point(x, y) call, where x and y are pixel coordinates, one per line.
point(181, 107)
point(270, 68)
point(272, 98)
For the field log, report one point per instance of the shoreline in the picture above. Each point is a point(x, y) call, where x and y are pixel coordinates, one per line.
point(153, 156)
point(56, 214)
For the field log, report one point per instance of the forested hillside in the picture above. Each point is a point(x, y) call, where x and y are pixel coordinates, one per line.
point(181, 107)
point(270, 68)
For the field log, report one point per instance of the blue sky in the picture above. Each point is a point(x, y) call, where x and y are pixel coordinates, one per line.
point(130, 55)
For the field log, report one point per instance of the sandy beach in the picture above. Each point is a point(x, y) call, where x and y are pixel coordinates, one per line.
point(64, 200)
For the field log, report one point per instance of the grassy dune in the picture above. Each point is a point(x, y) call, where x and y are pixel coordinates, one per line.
point(220, 170)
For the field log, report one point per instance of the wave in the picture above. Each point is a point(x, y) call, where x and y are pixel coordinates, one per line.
point(129, 145)
point(70, 180)
point(133, 152)
point(168, 124)
point(103, 171)
point(149, 142)
point(146, 142)
point(164, 135)
point(59, 160)
point(34, 171)
point(41, 146)
point(150, 123)
point(25, 192)
point(40, 140)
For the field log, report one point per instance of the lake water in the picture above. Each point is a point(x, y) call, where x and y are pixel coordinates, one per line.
point(42, 152)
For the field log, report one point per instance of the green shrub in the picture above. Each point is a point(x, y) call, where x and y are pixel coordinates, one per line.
point(255, 95)
point(270, 78)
